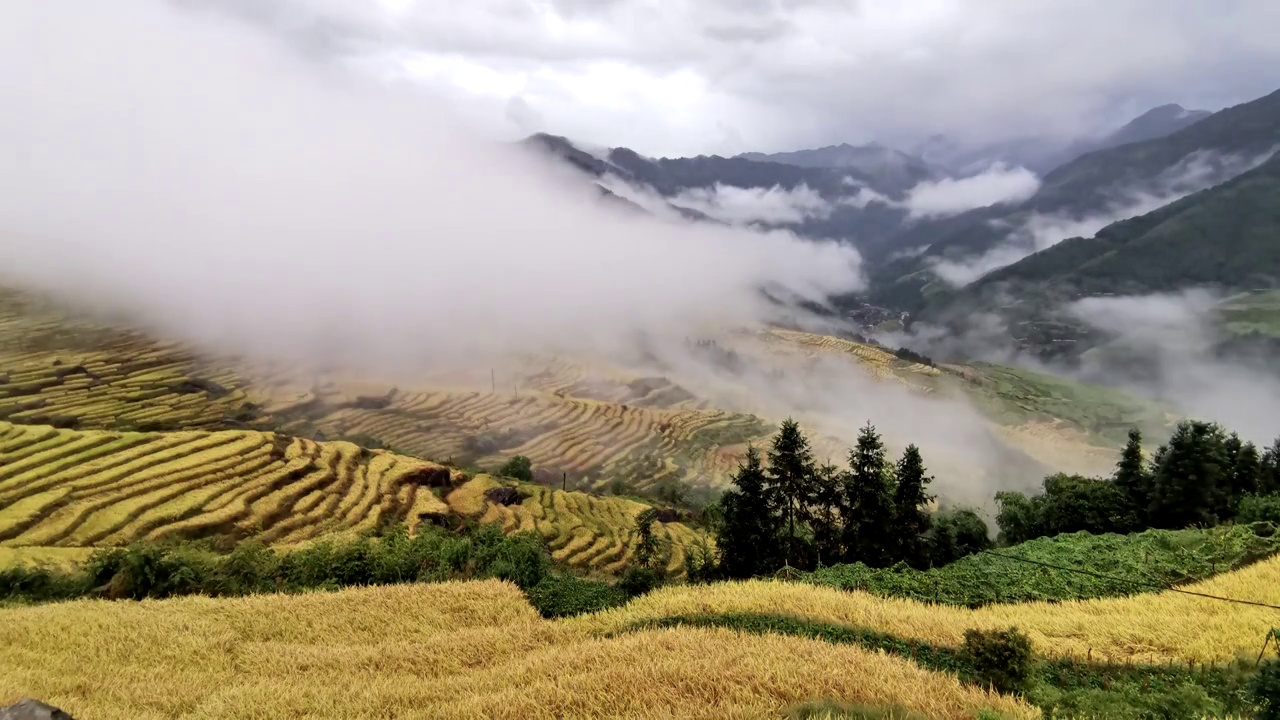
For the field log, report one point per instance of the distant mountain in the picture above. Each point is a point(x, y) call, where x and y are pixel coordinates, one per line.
point(1226, 238)
point(884, 164)
point(1037, 154)
point(1155, 123)
point(1084, 196)
point(857, 204)
point(1042, 154)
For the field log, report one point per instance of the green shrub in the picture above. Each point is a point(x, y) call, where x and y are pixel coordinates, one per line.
point(1000, 659)
point(519, 468)
point(1127, 701)
point(1264, 690)
point(637, 581)
point(566, 595)
point(1259, 508)
point(157, 571)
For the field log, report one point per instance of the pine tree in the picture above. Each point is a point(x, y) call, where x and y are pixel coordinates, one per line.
point(1134, 479)
point(791, 480)
point(747, 534)
point(823, 516)
point(1190, 477)
point(868, 521)
point(911, 508)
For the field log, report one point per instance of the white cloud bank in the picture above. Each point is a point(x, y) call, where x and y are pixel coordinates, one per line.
point(1172, 336)
point(744, 206)
point(998, 185)
point(202, 176)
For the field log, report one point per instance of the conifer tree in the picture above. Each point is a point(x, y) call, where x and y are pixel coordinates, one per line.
point(823, 517)
point(747, 534)
point(1188, 487)
point(869, 517)
point(791, 479)
point(1133, 478)
point(911, 507)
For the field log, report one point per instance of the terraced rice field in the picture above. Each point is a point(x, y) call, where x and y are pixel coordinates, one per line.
point(595, 533)
point(591, 440)
point(66, 489)
point(452, 650)
point(881, 363)
point(603, 426)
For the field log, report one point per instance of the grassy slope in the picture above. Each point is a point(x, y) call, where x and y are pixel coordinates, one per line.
point(1142, 562)
point(448, 650)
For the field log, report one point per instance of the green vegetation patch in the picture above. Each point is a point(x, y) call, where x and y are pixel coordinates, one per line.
point(150, 570)
point(1141, 562)
point(1255, 312)
point(1014, 395)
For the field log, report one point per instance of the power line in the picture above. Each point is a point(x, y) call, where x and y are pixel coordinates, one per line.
point(1131, 582)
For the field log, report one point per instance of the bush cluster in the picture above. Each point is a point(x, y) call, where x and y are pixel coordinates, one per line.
point(432, 554)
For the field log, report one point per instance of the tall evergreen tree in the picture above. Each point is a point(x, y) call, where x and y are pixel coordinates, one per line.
point(823, 516)
point(791, 479)
point(911, 508)
point(1133, 478)
point(1190, 477)
point(747, 534)
point(869, 516)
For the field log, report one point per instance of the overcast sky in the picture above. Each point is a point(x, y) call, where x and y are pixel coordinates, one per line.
point(680, 77)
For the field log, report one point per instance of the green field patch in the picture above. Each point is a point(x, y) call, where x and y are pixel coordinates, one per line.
point(1141, 562)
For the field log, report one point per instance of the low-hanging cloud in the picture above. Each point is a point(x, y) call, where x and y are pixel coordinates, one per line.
point(1162, 345)
point(998, 185)
point(775, 205)
point(202, 178)
point(194, 171)
point(1040, 231)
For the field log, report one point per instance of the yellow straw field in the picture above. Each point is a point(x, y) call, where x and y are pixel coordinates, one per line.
point(453, 650)
point(1157, 628)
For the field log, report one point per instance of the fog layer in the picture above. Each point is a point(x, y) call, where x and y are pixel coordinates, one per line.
point(194, 171)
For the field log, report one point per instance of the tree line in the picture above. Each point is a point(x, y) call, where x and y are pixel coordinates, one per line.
point(1201, 477)
point(786, 510)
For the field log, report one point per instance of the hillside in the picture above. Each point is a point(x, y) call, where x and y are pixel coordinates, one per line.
point(661, 432)
point(1226, 237)
point(1117, 181)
